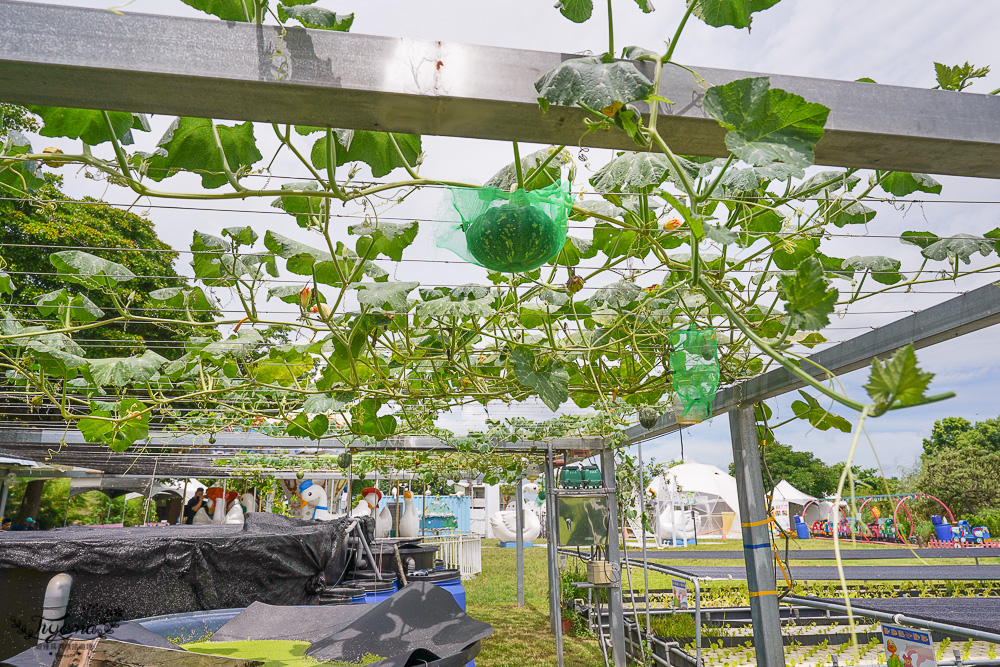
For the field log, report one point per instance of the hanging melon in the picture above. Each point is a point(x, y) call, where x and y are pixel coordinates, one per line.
point(510, 232)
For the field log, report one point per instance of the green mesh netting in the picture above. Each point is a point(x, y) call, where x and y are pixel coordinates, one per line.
point(694, 360)
point(503, 231)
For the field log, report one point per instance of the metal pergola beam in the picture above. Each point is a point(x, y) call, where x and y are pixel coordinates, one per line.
point(972, 311)
point(92, 58)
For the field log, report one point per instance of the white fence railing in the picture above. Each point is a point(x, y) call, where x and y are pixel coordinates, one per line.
point(460, 552)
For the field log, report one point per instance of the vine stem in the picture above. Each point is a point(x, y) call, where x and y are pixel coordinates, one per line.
point(677, 33)
point(119, 153)
point(517, 167)
point(611, 30)
point(836, 533)
point(771, 352)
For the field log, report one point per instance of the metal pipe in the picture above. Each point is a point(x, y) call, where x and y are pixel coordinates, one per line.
point(642, 528)
point(616, 611)
point(54, 607)
point(519, 529)
point(3, 496)
point(898, 619)
point(555, 610)
point(368, 552)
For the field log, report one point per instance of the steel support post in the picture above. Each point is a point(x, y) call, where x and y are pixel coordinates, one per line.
point(555, 584)
point(519, 526)
point(756, 539)
point(3, 497)
point(616, 611)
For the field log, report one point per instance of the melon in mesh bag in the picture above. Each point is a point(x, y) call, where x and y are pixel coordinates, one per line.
point(510, 232)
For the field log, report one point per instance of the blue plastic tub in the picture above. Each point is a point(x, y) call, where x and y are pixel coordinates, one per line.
point(450, 580)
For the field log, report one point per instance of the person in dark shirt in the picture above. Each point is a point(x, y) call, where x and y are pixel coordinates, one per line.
point(194, 505)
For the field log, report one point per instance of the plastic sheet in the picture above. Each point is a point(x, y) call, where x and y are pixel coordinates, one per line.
point(126, 573)
point(694, 361)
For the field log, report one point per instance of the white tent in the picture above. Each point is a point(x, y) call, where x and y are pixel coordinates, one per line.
point(712, 492)
point(788, 501)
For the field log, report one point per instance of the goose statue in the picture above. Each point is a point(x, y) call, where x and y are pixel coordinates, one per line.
point(248, 502)
point(675, 524)
point(234, 515)
point(201, 517)
point(383, 523)
point(218, 510)
point(504, 523)
point(373, 496)
point(409, 523)
point(363, 508)
point(313, 496)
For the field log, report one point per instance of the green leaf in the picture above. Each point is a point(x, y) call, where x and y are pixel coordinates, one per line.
point(189, 145)
point(390, 297)
point(227, 10)
point(303, 427)
point(593, 83)
point(89, 270)
point(883, 269)
point(60, 302)
point(316, 17)
point(789, 252)
point(756, 178)
point(898, 379)
point(384, 238)
point(301, 257)
point(237, 346)
point(181, 298)
point(307, 210)
point(6, 284)
point(550, 382)
point(849, 212)
point(629, 172)
point(321, 404)
point(901, 183)
point(506, 178)
point(118, 437)
point(920, 239)
point(646, 6)
point(721, 234)
point(574, 250)
point(767, 124)
point(122, 371)
point(809, 298)
point(365, 420)
point(736, 13)
point(85, 124)
point(373, 148)
point(811, 410)
point(839, 180)
point(283, 365)
point(617, 295)
point(959, 77)
point(241, 235)
point(958, 246)
point(20, 177)
point(576, 11)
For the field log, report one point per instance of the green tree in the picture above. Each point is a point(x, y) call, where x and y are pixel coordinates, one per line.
point(966, 478)
point(32, 229)
point(957, 433)
point(802, 470)
point(16, 118)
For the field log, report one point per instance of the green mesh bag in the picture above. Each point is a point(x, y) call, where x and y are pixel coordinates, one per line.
point(694, 360)
point(503, 231)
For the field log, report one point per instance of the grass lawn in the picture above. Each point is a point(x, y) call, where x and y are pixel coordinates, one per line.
point(521, 636)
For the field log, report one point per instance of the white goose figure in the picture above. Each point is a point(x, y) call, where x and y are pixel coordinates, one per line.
point(314, 496)
point(504, 523)
point(248, 502)
point(383, 523)
point(201, 517)
point(409, 523)
point(363, 508)
point(218, 510)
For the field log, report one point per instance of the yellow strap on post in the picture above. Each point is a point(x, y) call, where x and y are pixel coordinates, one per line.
point(762, 522)
point(755, 594)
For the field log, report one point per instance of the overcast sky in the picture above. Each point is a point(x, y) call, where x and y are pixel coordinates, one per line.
point(891, 41)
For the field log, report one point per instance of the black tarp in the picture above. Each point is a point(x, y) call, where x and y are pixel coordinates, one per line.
point(125, 573)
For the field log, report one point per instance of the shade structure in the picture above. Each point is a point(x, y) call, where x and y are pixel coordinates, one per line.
point(710, 490)
point(787, 502)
